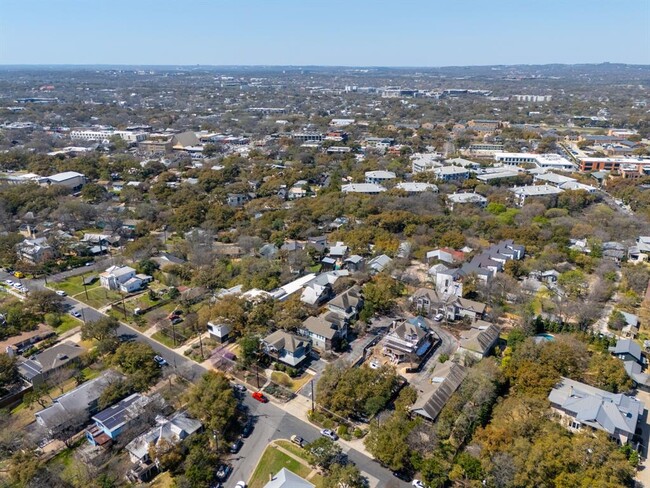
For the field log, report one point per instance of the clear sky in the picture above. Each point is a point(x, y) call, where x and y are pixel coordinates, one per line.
point(325, 32)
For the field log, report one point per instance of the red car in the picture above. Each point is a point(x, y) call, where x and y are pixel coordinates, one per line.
point(260, 397)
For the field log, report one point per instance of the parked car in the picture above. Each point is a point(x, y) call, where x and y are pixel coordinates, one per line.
point(177, 320)
point(329, 434)
point(248, 429)
point(223, 471)
point(418, 484)
point(75, 313)
point(61, 293)
point(241, 484)
point(161, 361)
point(374, 364)
point(259, 396)
point(19, 274)
point(9, 282)
point(297, 440)
point(236, 446)
point(239, 388)
point(438, 317)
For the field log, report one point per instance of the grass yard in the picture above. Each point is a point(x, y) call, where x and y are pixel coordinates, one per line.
point(99, 297)
point(292, 448)
point(273, 461)
point(68, 322)
point(294, 384)
point(73, 285)
point(163, 480)
point(163, 339)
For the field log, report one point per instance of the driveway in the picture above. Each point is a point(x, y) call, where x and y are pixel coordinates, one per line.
point(643, 474)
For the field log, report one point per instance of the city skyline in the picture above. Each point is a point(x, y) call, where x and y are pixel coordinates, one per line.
point(291, 33)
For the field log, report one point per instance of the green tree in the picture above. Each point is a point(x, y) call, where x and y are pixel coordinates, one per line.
point(344, 476)
point(135, 359)
point(323, 452)
point(104, 331)
point(8, 371)
point(200, 466)
point(212, 401)
point(387, 441)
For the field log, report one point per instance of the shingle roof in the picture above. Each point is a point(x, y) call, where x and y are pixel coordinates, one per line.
point(598, 408)
point(433, 396)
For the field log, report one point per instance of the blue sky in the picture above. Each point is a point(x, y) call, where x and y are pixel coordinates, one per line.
point(332, 32)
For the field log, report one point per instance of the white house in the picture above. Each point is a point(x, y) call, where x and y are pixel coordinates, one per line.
point(379, 177)
point(123, 278)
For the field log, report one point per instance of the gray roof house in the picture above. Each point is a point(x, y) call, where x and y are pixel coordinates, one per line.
point(325, 330)
point(286, 479)
point(627, 350)
point(579, 405)
point(379, 264)
point(172, 430)
point(74, 408)
point(434, 394)
point(39, 367)
point(347, 304)
point(288, 348)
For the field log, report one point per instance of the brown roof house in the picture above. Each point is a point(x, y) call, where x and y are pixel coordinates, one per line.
point(408, 340)
point(480, 339)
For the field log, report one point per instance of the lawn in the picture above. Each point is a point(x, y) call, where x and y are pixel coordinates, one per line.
point(292, 448)
point(273, 461)
point(163, 480)
point(99, 297)
point(163, 339)
point(294, 384)
point(67, 323)
point(73, 285)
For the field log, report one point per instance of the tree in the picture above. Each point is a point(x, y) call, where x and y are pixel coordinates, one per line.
point(616, 320)
point(23, 466)
point(44, 301)
point(323, 452)
point(167, 454)
point(93, 193)
point(104, 331)
point(380, 293)
point(387, 441)
point(135, 359)
point(212, 401)
point(114, 392)
point(200, 466)
point(344, 476)
point(8, 372)
point(249, 349)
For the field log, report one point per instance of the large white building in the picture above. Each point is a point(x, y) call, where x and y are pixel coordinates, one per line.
point(379, 177)
point(366, 188)
point(547, 161)
point(105, 134)
point(421, 162)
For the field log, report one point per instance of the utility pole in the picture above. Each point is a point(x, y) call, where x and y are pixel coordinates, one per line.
point(312, 396)
point(257, 376)
point(83, 282)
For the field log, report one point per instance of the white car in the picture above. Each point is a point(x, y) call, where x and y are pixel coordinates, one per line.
point(418, 484)
point(241, 484)
point(438, 317)
point(61, 293)
point(329, 434)
point(374, 364)
point(9, 282)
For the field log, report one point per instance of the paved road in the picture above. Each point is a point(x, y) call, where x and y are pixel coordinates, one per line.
point(271, 422)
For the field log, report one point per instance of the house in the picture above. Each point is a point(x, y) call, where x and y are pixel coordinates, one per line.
point(317, 292)
point(39, 367)
point(631, 327)
point(219, 331)
point(70, 411)
point(407, 341)
point(114, 420)
point(348, 304)
point(123, 278)
point(480, 339)
point(455, 199)
point(451, 173)
point(16, 344)
point(68, 179)
point(641, 250)
point(446, 255)
point(365, 188)
point(354, 263)
point(166, 259)
point(627, 350)
point(237, 199)
point(35, 251)
point(470, 308)
point(414, 188)
point(434, 394)
point(288, 348)
point(379, 263)
point(522, 194)
point(614, 251)
point(326, 331)
point(579, 406)
point(430, 303)
point(379, 177)
point(287, 479)
point(173, 430)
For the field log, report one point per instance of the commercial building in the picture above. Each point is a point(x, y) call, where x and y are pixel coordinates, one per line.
point(379, 177)
point(524, 193)
point(451, 173)
point(547, 161)
point(365, 188)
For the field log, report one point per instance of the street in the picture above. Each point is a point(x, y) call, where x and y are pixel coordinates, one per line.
point(271, 421)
